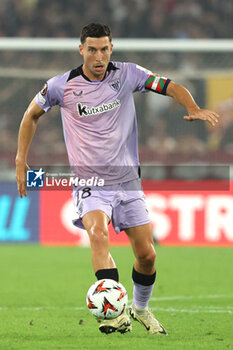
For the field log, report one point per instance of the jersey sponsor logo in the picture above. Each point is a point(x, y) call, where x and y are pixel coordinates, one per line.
point(115, 84)
point(83, 110)
point(78, 93)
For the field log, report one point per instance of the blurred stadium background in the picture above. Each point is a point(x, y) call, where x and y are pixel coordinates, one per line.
point(165, 140)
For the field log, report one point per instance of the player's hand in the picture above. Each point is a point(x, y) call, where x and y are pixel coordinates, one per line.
point(21, 169)
point(204, 114)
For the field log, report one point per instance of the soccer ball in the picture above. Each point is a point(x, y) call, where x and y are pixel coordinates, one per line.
point(107, 299)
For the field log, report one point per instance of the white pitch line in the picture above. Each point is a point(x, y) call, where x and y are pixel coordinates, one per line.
point(198, 310)
point(162, 309)
point(39, 308)
point(208, 309)
point(190, 297)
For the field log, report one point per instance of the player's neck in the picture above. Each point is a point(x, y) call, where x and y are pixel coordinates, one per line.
point(90, 75)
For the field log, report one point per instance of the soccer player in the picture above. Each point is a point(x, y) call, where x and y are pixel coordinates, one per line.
point(100, 131)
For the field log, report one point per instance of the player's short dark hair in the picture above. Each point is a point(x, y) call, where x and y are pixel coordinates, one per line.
point(95, 30)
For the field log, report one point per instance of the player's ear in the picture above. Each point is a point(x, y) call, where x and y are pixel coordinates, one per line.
point(111, 47)
point(80, 47)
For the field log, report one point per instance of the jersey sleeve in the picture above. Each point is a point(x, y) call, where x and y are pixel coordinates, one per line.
point(52, 92)
point(144, 80)
point(138, 76)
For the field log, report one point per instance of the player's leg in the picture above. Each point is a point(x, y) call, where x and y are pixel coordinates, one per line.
point(141, 239)
point(96, 224)
point(144, 274)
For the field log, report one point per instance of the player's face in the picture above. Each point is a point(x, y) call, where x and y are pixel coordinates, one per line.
point(96, 54)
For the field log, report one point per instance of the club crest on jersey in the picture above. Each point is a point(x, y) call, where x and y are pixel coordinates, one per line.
point(115, 84)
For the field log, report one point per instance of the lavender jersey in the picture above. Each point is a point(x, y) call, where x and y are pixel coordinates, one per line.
point(99, 118)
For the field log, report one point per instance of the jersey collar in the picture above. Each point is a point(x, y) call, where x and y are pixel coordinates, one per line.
point(110, 67)
point(79, 71)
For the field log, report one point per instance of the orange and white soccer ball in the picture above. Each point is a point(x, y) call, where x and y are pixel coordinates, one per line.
point(107, 299)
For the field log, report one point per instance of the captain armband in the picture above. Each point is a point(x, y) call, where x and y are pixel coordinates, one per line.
point(157, 84)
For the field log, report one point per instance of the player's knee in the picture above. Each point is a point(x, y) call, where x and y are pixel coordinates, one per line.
point(147, 257)
point(98, 235)
point(150, 257)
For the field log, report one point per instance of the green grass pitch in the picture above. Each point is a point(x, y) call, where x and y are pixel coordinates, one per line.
point(43, 289)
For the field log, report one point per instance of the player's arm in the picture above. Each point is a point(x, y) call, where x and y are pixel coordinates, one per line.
point(183, 97)
point(26, 132)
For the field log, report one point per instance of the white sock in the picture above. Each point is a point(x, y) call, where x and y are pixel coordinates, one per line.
point(142, 295)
